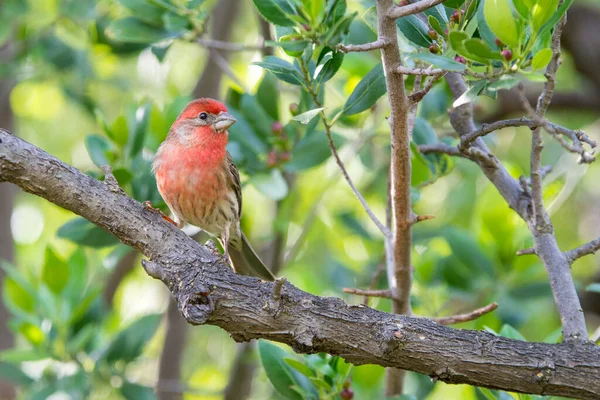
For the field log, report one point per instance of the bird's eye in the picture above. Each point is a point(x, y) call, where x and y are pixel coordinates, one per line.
point(203, 115)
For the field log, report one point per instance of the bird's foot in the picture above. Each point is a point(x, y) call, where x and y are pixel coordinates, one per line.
point(148, 206)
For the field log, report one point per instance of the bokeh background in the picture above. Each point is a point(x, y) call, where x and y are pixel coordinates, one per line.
point(88, 99)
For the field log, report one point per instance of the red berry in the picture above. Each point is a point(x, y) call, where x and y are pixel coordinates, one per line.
point(285, 156)
point(498, 42)
point(347, 394)
point(272, 159)
point(294, 109)
point(306, 27)
point(432, 34)
point(507, 54)
point(434, 48)
point(460, 59)
point(455, 16)
point(277, 128)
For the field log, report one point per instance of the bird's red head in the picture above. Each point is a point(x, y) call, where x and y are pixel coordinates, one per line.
point(204, 115)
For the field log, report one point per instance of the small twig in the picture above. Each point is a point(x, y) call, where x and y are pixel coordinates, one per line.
point(228, 46)
point(485, 129)
point(584, 250)
point(386, 232)
point(442, 148)
point(384, 293)
point(526, 252)
point(110, 180)
point(455, 319)
point(414, 8)
point(420, 218)
point(418, 96)
point(348, 48)
point(278, 284)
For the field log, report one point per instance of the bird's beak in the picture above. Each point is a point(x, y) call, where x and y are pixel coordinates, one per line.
point(223, 122)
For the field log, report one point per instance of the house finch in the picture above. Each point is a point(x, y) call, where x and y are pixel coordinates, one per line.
point(199, 182)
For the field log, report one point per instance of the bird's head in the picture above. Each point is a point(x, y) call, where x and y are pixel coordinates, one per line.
point(202, 117)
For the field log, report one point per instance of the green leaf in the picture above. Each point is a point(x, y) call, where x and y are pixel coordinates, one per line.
point(500, 18)
point(550, 23)
point(484, 29)
point(367, 92)
point(133, 391)
point(414, 30)
point(457, 40)
point(307, 116)
point(81, 231)
point(98, 149)
point(319, 382)
point(439, 13)
point(479, 48)
point(256, 116)
point(594, 287)
point(16, 297)
point(439, 61)
point(534, 76)
point(267, 96)
point(523, 9)
point(241, 132)
point(312, 150)
point(132, 30)
point(160, 51)
point(55, 272)
point(470, 94)
point(122, 175)
point(144, 10)
point(278, 12)
point(454, 3)
point(142, 117)
point(542, 11)
point(175, 23)
point(130, 342)
point(421, 172)
point(32, 333)
point(118, 131)
point(330, 67)
point(541, 58)
point(299, 366)
point(281, 69)
point(435, 25)
point(12, 373)
point(14, 356)
point(281, 375)
point(370, 18)
point(504, 83)
point(80, 341)
point(423, 133)
point(511, 333)
point(271, 184)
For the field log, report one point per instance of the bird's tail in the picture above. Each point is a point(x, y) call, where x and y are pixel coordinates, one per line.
point(246, 262)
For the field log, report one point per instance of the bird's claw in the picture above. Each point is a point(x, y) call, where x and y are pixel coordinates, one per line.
point(148, 206)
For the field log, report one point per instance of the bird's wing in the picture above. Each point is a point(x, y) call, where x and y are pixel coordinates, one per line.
point(237, 186)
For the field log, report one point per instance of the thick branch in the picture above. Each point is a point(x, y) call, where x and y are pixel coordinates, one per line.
point(209, 292)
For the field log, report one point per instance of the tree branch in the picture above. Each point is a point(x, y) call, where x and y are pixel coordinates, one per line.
point(584, 250)
point(470, 316)
point(348, 48)
point(229, 46)
point(396, 12)
point(209, 292)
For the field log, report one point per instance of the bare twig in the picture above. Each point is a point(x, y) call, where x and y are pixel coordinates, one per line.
point(441, 148)
point(376, 275)
point(340, 163)
point(470, 316)
point(418, 96)
point(348, 48)
point(228, 46)
point(385, 293)
point(414, 8)
point(526, 252)
point(584, 250)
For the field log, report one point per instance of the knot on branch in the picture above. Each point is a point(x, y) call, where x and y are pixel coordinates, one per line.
point(197, 307)
point(304, 339)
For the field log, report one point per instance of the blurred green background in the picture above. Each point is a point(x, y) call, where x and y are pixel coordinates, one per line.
point(92, 96)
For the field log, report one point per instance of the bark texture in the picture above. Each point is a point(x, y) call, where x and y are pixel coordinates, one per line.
point(209, 292)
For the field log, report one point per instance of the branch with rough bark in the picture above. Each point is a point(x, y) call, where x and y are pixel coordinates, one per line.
point(207, 291)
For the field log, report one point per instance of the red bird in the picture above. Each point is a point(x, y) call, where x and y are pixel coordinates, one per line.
point(198, 180)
